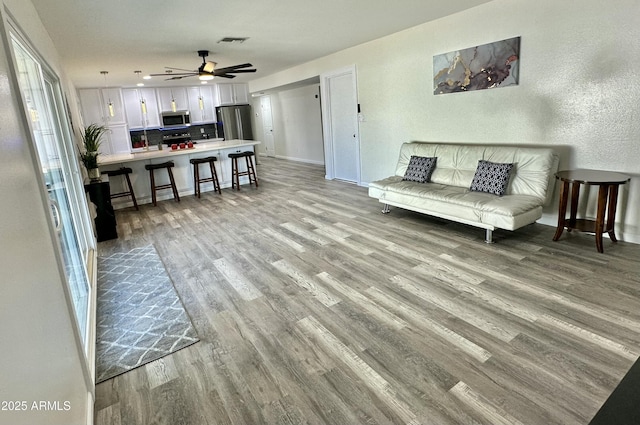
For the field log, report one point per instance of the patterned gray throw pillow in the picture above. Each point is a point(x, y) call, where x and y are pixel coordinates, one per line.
point(420, 169)
point(491, 177)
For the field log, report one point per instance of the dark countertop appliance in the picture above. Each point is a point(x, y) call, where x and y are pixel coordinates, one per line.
point(176, 137)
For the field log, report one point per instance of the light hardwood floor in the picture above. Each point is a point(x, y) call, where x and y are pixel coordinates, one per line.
point(314, 308)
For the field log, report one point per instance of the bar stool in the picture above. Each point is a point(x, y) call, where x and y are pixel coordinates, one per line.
point(172, 185)
point(196, 173)
point(235, 173)
point(123, 171)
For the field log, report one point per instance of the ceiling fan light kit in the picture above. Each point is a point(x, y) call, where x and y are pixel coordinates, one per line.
point(207, 71)
point(208, 66)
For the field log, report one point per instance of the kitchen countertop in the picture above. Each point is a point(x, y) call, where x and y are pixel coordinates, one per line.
point(205, 145)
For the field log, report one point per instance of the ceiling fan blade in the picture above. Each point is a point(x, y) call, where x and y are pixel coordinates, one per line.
point(179, 69)
point(170, 74)
point(234, 67)
point(237, 71)
point(225, 75)
point(180, 77)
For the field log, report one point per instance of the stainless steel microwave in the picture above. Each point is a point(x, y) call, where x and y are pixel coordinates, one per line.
point(176, 119)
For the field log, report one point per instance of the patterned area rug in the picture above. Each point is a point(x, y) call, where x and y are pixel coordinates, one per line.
point(140, 317)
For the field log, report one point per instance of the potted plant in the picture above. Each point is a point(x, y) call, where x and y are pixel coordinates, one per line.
point(91, 139)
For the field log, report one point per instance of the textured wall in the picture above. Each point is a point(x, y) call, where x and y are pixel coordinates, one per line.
point(578, 89)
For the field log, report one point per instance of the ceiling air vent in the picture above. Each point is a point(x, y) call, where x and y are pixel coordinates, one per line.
point(238, 40)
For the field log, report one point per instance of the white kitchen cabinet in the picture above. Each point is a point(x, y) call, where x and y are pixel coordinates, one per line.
point(95, 106)
point(172, 94)
point(119, 139)
point(225, 94)
point(241, 92)
point(202, 104)
point(92, 106)
point(95, 110)
point(233, 94)
point(115, 140)
point(137, 115)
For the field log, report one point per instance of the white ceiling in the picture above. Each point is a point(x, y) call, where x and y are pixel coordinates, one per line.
point(122, 36)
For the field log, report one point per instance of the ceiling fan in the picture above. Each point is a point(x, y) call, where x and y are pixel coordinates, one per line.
point(207, 70)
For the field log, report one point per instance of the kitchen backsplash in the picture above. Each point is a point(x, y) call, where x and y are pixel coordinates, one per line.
point(154, 136)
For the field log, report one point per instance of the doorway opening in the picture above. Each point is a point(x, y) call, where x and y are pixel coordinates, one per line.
point(340, 124)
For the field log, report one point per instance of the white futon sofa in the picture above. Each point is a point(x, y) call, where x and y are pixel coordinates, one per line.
point(447, 193)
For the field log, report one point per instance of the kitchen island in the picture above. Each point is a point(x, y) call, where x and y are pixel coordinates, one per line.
point(183, 170)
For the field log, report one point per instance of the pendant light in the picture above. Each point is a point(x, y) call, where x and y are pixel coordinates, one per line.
point(109, 103)
point(201, 103)
point(174, 108)
point(143, 102)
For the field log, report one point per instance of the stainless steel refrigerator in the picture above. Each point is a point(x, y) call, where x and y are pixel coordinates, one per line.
point(234, 122)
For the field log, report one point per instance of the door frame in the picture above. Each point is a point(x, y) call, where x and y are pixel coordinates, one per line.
point(56, 103)
point(329, 143)
point(272, 152)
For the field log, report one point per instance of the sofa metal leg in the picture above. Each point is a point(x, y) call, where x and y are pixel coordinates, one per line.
point(386, 209)
point(489, 236)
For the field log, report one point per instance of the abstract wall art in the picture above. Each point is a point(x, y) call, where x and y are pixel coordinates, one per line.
point(482, 67)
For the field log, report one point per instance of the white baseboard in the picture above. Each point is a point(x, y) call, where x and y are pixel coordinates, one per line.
point(307, 161)
point(628, 233)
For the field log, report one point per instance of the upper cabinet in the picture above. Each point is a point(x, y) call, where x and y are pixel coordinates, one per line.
point(102, 106)
point(202, 104)
point(233, 94)
point(141, 106)
point(127, 109)
point(106, 107)
point(172, 99)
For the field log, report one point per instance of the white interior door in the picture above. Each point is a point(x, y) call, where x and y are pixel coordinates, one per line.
point(340, 121)
point(267, 126)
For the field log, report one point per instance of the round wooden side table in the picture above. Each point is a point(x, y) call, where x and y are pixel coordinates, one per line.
point(608, 183)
